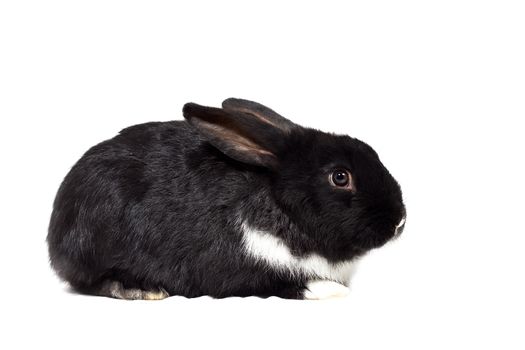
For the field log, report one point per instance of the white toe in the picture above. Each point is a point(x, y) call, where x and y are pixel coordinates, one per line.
point(318, 290)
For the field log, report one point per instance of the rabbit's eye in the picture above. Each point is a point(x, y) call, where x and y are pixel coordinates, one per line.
point(341, 178)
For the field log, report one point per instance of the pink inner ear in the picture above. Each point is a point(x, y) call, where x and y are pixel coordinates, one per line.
point(236, 140)
point(257, 115)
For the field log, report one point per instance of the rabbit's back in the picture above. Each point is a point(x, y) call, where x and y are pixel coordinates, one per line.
point(139, 205)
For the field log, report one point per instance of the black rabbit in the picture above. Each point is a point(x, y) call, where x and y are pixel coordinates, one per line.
point(233, 201)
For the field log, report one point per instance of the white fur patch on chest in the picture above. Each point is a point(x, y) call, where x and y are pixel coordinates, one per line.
point(266, 247)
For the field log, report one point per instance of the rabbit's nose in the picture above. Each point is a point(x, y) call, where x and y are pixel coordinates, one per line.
point(400, 227)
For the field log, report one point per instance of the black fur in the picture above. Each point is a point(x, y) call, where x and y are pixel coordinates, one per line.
point(158, 206)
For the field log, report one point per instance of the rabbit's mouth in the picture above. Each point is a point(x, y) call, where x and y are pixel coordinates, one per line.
point(400, 227)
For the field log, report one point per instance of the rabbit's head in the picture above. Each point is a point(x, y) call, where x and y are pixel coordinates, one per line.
point(333, 187)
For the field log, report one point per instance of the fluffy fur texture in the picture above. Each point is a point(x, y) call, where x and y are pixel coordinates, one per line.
point(233, 201)
point(272, 250)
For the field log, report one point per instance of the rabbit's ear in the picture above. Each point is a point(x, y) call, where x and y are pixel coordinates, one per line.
point(246, 139)
point(259, 111)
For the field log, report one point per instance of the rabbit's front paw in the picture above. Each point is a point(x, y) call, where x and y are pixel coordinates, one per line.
point(318, 290)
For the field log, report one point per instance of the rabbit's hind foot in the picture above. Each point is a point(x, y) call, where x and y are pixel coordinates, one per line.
point(115, 289)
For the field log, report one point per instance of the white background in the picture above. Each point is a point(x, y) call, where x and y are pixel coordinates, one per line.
point(436, 87)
